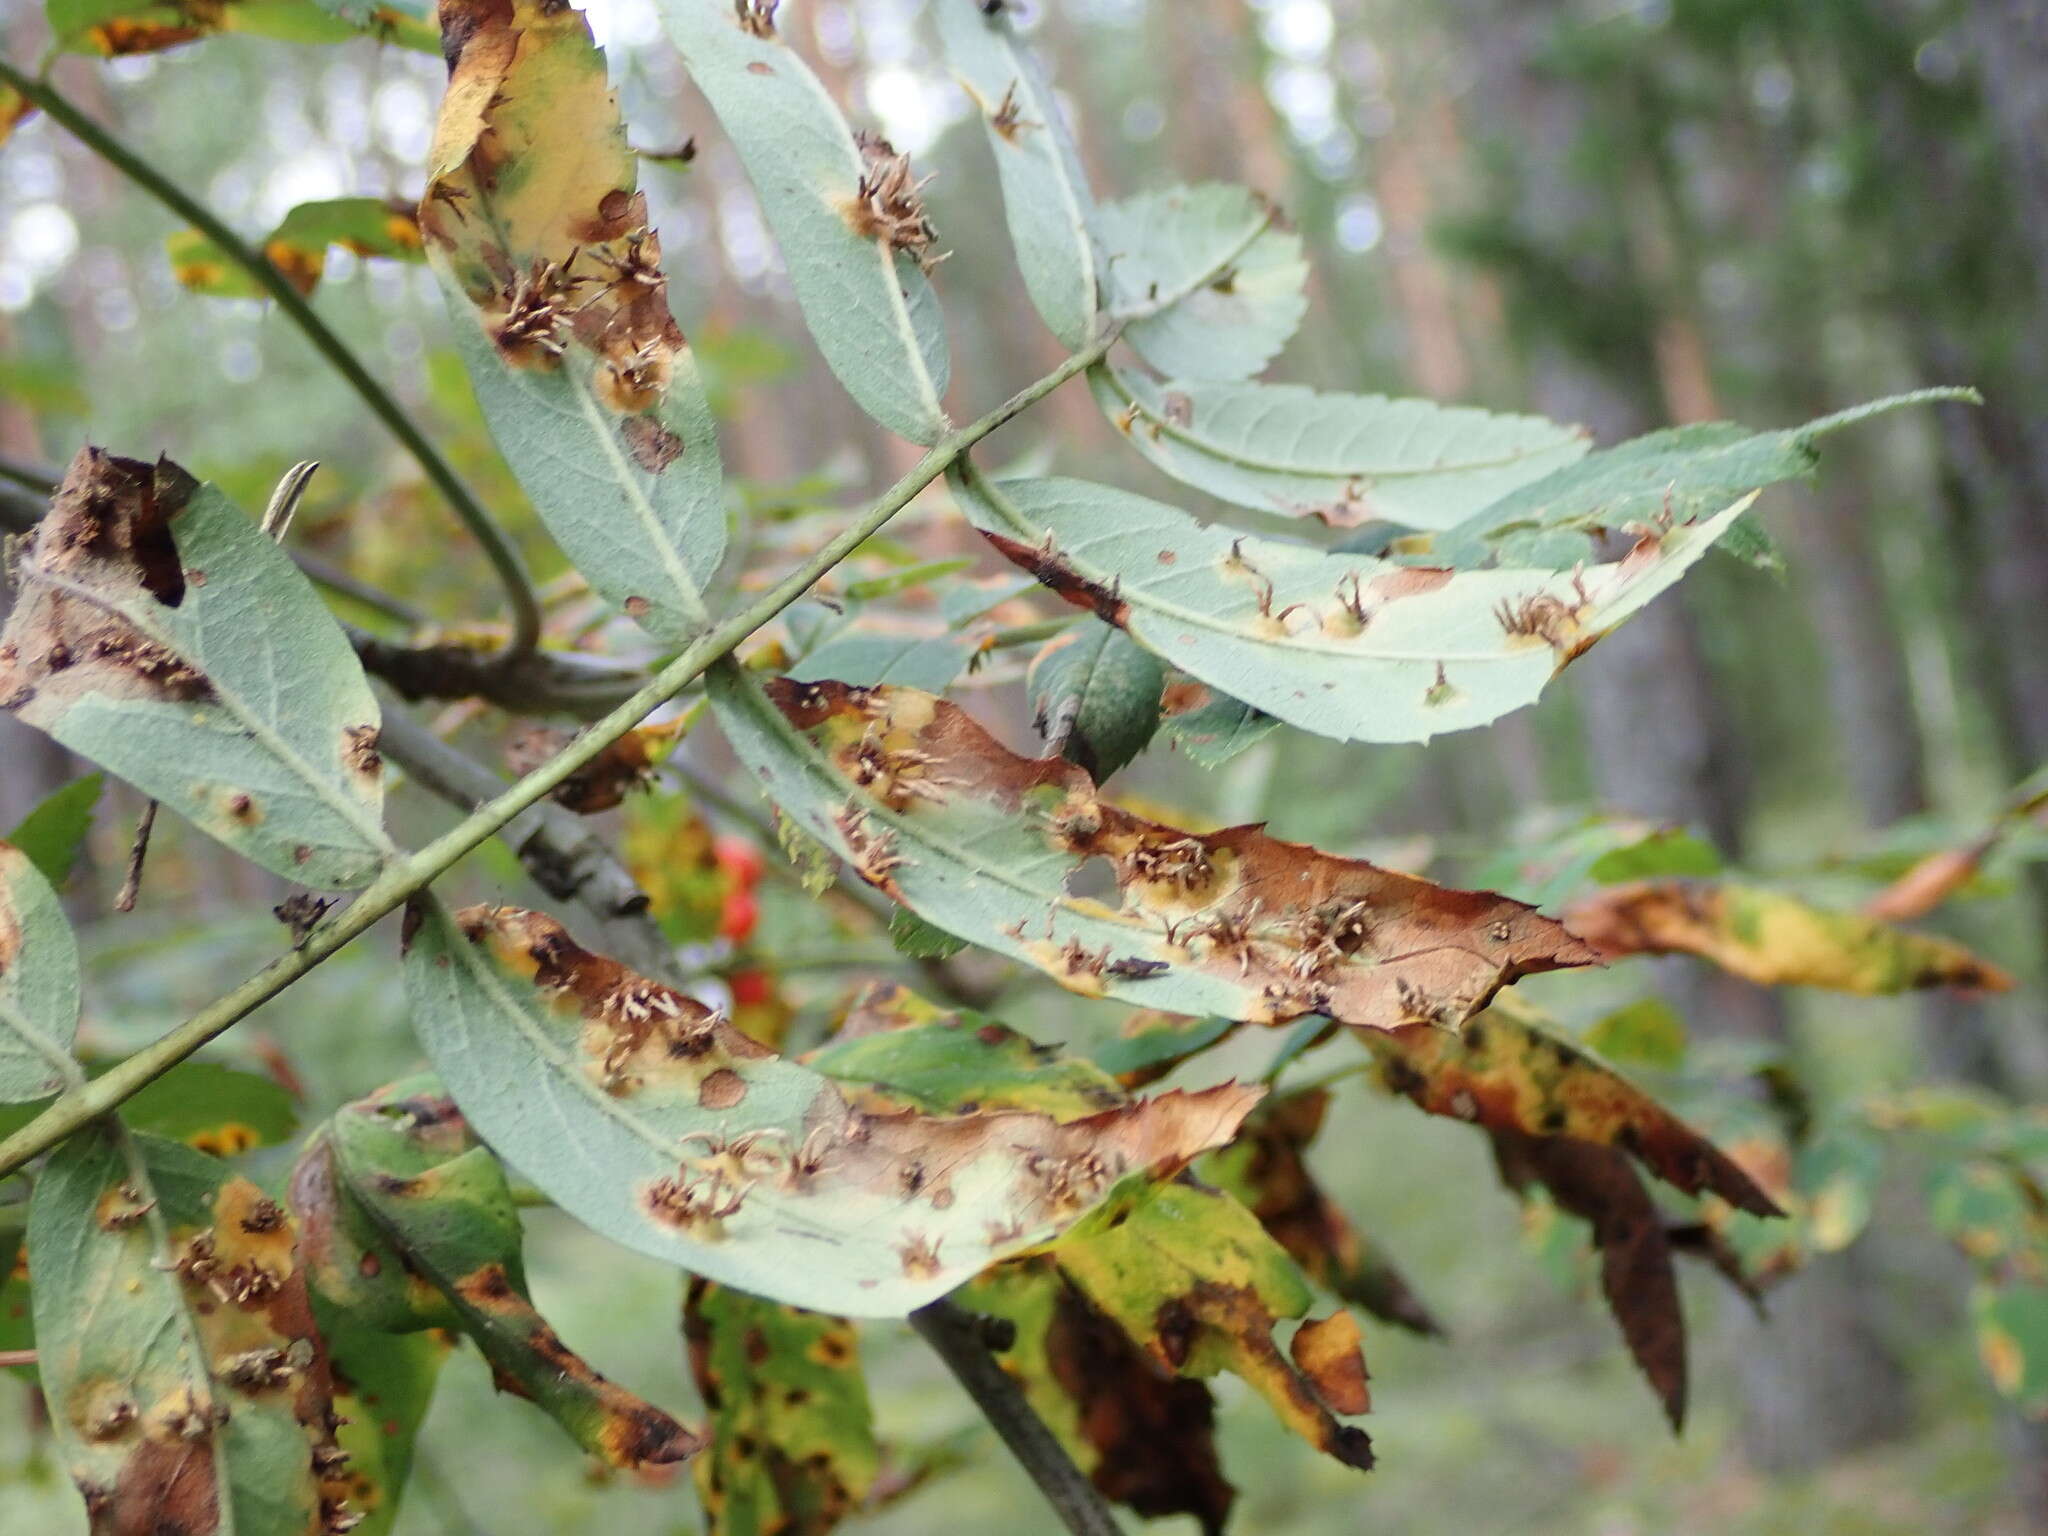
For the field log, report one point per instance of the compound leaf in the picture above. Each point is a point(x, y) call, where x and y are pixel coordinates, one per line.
point(661, 1126)
point(38, 984)
point(1208, 281)
point(1045, 191)
point(931, 810)
point(1346, 459)
point(187, 1384)
point(411, 1225)
point(562, 313)
point(1095, 696)
point(160, 634)
point(1344, 645)
point(793, 1446)
point(845, 208)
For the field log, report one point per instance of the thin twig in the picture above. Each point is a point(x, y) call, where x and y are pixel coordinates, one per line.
point(403, 878)
point(16, 1357)
point(497, 546)
point(957, 1338)
point(131, 884)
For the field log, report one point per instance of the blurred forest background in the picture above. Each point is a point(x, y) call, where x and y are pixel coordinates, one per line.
point(1623, 213)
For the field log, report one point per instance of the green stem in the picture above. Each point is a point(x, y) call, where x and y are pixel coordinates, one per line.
point(405, 877)
point(497, 546)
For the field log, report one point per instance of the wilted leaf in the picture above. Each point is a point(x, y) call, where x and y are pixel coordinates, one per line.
point(586, 381)
point(1773, 939)
point(367, 226)
point(38, 984)
point(1045, 191)
point(1095, 696)
point(1267, 1170)
point(657, 1123)
point(847, 211)
point(1211, 727)
point(1191, 1277)
point(1505, 1073)
point(160, 634)
point(1596, 1184)
point(1680, 476)
point(54, 832)
point(1208, 279)
point(400, 1193)
point(1145, 1436)
point(602, 784)
point(953, 1061)
point(188, 1387)
point(1347, 459)
point(792, 1449)
point(928, 808)
point(1343, 645)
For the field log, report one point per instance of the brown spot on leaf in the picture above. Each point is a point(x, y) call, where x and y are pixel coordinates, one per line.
point(652, 446)
point(722, 1089)
point(1327, 1353)
point(888, 203)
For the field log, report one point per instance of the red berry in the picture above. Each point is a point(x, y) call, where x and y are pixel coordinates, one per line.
point(750, 989)
point(738, 857)
point(739, 915)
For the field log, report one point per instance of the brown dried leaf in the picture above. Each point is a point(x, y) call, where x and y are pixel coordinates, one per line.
point(1636, 1272)
point(1506, 1073)
point(1774, 940)
point(1231, 924)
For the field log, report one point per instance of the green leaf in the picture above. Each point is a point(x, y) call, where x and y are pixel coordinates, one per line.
point(214, 1108)
point(1678, 476)
point(1045, 190)
point(792, 1435)
point(562, 313)
point(368, 226)
point(1218, 729)
point(1343, 645)
point(1838, 1172)
point(846, 212)
point(945, 1061)
point(160, 634)
point(38, 984)
point(2012, 1340)
point(383, 1386)
point(930, 662)
point(1095, 697)
point(662, 1127)
point(919, 940)
point(1667, 851)
point(1193, 1279)
point(117, 27)
point(1347, 459)
point(1648, 1032)
point(927, 807)
point(432, 1206)
point(1151, 1042)
point(188, 1387)
point(1208, 281)
point(53, 833)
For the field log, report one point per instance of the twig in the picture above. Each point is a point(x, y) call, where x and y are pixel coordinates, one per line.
point(957, 1338)
point(404, 877)
point(131, 885)
point(16, 1357)
point(497, 546)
